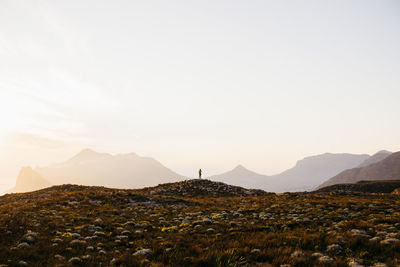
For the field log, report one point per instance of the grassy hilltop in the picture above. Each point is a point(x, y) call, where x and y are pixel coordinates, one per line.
point(197, 223)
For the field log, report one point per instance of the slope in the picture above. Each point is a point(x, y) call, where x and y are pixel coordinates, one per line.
point(386, 169)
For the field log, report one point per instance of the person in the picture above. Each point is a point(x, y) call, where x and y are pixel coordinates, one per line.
point(199, 173)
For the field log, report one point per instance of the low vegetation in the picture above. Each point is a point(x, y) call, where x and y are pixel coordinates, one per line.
point(385, 186)
point(197, 223)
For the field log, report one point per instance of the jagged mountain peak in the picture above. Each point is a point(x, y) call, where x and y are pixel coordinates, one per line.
point(29, 180)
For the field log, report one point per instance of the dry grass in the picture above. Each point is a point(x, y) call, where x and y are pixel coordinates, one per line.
point(248, 230)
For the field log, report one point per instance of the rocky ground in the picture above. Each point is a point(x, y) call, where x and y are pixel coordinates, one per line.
point(389, 186)
point(197, 223)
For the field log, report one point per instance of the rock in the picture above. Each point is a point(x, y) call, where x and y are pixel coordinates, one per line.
point(211, 230)
point(359, 233)
point(115, 262)
point(317, 255)
point(379, 264)
point(75, 260)
point(396, 191)
point(126, 232)
point(207, 221)
point(129, 223)
point(22, 263)
point(334, 249)
point(255, 251)
point(23, 245)
point(121, 237)
point(100, 234)
point(325, 260)
point(90, 228)
point(393, 235)
point(86, 257)
point(354, 263)
point(375, 239)
point(297, 254)
point(75, 235)
point(59, 257)
point(30, 237)
point(143, 252)
point(98, 221)
point(389, 241)
point(381, 233)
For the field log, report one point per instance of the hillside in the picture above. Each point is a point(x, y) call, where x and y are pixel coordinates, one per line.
point(196, 223)
point(200, 187)
point(101, 169)
point(364, 187)
point(380, 155)
point(386, 169)
point(29, 180)
point(305, 175)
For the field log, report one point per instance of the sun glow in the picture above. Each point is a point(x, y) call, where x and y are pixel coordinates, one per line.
point(8, 111)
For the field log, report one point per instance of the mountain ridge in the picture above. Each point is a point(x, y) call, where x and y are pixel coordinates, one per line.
point(386, 169)
point(130, 170)
point(378, 156)
point(306, 174)
point(92, 168)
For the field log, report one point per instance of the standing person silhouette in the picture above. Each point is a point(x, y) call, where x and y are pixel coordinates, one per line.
point(199, 173)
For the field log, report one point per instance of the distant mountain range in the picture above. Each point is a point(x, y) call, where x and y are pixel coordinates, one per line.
point(386, 169)
point(305, 175)
point(92, 168)
point(132, 171)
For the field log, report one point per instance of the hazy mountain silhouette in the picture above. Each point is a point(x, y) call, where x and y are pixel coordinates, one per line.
point(29, 180)
point(378, 156)
point(386, 169)
point(132, 171)
point(123, 171)
point(240, 176)
point(305, 175)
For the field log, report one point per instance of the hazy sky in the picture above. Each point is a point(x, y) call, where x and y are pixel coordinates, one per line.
point(198, 83)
